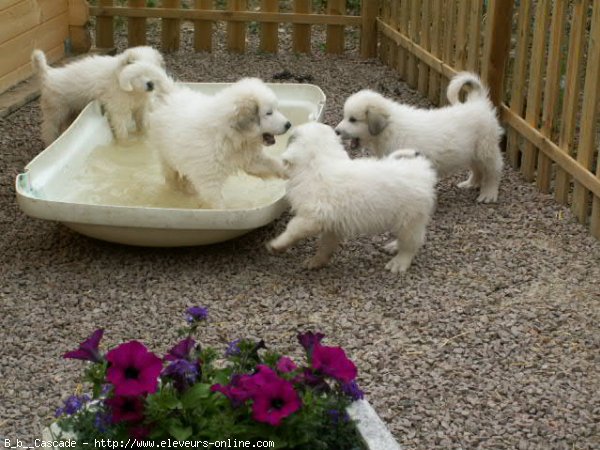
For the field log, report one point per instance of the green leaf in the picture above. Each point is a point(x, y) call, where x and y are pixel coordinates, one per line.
point(195, 394)
point(179, 432)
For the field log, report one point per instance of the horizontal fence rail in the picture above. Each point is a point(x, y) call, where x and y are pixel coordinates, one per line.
point(204, 13)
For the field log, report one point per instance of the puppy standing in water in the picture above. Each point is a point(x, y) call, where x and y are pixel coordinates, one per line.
point(460, 136)
point(122, 83)
point(204, 139)
point(336, 197)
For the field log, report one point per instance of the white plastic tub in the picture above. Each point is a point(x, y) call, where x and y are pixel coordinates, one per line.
point(53, 184)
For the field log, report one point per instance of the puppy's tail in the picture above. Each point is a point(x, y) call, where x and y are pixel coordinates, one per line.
point(469, 79)
point(40, 64)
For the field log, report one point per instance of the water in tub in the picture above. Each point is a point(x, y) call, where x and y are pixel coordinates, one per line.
point(130, 175)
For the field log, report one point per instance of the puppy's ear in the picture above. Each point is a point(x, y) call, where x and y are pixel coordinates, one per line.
point(377, 120)
point(125, 81)
point(245, 116)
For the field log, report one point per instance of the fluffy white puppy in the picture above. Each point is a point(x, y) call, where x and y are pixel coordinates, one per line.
point(457, 137)
point(337, 197)
point(204, 139)
point(123, 90)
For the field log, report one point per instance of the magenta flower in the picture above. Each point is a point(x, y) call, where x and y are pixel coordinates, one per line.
point(126, 409)
point(285, 365)
point(181, 351)
point(133, 370)
point(309, 339)
point(275, 401)
point(88, 349)
point(238, 390)
point(332, 361)
point(140, 432)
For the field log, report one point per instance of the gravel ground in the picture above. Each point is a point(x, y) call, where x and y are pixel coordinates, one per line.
point(490, 341)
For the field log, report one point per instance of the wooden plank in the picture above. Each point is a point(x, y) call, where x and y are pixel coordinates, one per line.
point(519, 78)
point(474, 44)
point(436, 28)
point(460, 49)
point(368, 32)
point(301, 34)
point(79, 13)
point(425, 25)
point(136, 26)
point(15, 53)
point(335, 33)
point(236, 32)
point(227, 16)
point(269, 32)
point(105, 27)
point(28, 14)
point(170, 28)
point(203, 29)
point(554, 152)
point(448, 45)
point(551, 90)
point(595, 216)
point(388, 50)
point(413, 32)
point(399, 21)
point(499, 46)
point(534, 92)
point(568, 120)
point(5, 4)
point(586, 148)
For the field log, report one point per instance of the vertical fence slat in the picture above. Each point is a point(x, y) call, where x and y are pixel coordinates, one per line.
point(460, 51)
point(425, 26)
point(403, 21)
point(551, 90)
point(236, 31)
point(519, 78)
point(335, 33)
point(203, 29)
point(390, 10)
point(448, 44)
point(170, 28)
point(534, 93)
point(434, 77)
point(301, 32)
point(589, 116)
point(413, 33)
point(571, 95)
point(105, 28)
point(368, 32)
point(473, 52)
point(269, 35)
point(136, 26)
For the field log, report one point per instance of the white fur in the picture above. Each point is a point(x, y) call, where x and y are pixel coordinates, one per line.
point(457, 137)
point(204, 139)
point(118, 82)
point(337, 197)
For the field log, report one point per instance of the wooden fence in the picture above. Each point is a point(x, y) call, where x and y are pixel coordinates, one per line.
point(541, 59)
point(204, 13)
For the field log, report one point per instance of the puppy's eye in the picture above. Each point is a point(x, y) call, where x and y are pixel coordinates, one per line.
point(270, 113)
point(352, 119)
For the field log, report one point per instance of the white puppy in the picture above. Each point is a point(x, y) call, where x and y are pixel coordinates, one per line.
point(204, 139)
point(460, 136)
point(122, 90)
point(337, 197)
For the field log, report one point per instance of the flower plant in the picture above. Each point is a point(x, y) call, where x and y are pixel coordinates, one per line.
point(192, 393)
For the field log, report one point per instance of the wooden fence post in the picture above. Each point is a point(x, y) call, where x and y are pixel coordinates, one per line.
point(301, 32)
point(236, 31)
point(170, 30)
point(203, 29)
point(269, 35)
point(500, 14)
point(335, 33)
point(79, 15)
point(136, 26)
point(368, 32)
point(105, 28)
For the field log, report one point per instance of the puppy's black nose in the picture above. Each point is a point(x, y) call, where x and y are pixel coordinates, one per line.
point(150, 85)
point(288, 125)
point(338, 132)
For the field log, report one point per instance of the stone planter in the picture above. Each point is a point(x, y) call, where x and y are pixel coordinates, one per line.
point(372, 429)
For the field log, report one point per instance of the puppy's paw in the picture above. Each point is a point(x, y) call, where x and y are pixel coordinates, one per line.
point(391, 247)
point(488, 197)
point(273, 248)
point(316, 262)
point(467, 184)
point(399, 264)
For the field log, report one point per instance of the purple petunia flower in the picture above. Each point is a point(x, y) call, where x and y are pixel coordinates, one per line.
point(352, 390)
point(133, 369)
point(309, 339)
point(337, 416)
point(72, 405)
point(88, 349)
point(332, 361)
point(102, 421)
point(285, 365)
point(275, 400)
point(196, 314)
point(183, 373)
point(126, 409)
point(233, 349)
point(181, 350)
